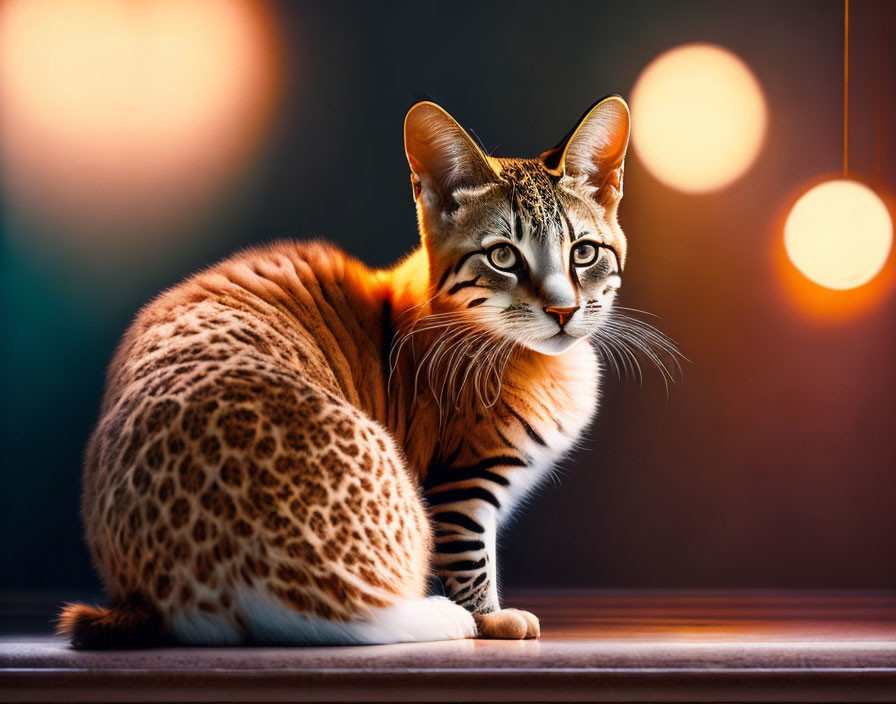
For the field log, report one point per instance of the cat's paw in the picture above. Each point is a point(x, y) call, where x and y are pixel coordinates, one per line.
point(509, 624)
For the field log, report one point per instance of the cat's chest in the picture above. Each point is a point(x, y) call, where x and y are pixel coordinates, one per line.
point(542, 412)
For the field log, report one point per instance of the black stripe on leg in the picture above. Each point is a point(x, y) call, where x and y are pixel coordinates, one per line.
point(450, 496)
point(463, 566)
point(445, 474)
point(457, 546)
point(469, 588)
point(457, 518)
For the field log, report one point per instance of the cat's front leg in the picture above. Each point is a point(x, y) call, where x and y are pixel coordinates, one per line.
point(465, 522)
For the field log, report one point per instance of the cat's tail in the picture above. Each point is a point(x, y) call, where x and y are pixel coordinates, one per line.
point(127, 623)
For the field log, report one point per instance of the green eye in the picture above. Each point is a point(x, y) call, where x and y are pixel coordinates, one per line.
point(503, 257)
point(584, 254)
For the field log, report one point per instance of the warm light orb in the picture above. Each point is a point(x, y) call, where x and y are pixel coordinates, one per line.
point(130, 112)
point(699, 117)
point(839, 234)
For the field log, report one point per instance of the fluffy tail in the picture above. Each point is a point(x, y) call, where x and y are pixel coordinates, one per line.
point(129, 623)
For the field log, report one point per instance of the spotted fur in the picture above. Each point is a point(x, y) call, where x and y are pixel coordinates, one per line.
point(290, 442)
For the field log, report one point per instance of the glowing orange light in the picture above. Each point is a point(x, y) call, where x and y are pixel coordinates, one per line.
point(698, 117)
point(839, 234)
point(122, 111)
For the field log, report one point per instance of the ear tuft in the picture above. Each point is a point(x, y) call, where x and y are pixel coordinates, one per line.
point(594, 152)
point(442, 156)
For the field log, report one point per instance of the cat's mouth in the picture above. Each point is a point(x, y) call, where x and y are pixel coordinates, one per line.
point(557, 343)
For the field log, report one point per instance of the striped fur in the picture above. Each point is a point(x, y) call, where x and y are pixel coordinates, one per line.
point(290, 441)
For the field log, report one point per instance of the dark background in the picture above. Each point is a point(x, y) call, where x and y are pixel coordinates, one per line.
point(773, 464)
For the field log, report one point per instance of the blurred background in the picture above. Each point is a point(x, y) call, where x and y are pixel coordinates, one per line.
point(143, 140)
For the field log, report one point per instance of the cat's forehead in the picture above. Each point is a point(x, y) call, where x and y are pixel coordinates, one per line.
point(534, 197)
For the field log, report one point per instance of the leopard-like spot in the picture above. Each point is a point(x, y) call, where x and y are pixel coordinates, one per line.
point(154, 455)
point(225, 545)
point(192, 476)
point(210, 447)
point(176, 444)
point(160, 415)
point(163, 586)
point(371, 577)
point(152, 512)
point(373, 510)
point(374, 601)
point(257, 565)
point(181, 550)
point(267, 478)
point(232, 473)
point(344, 428)
point(299, 510)
point(265, 447)
point(262, 500)
point(196, 417)
point(166, 489)
point(318, 524)
point(274, 522)
point(219, 502)
point(238, 427)
point(178, 513)
point(140, 479)
point(332, 550)
point(242, 528)
point(335, 587)
point(315, 494)
point(203, 566)
point(355, 499)
point(334, 466)
point(200, 533)
point(297, 442)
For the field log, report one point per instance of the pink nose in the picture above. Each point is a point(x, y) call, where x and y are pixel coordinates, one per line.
point(561, 313)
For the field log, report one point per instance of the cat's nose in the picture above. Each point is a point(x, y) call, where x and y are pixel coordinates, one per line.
point(561, 314)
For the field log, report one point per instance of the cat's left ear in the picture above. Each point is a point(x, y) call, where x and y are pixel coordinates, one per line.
point(594, 151)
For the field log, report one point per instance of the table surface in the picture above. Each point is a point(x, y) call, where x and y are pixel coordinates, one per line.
point(616, 646)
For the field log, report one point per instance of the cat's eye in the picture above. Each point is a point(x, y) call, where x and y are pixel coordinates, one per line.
point(504, 257)
point(584, 253)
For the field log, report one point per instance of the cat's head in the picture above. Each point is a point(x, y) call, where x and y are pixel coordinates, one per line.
point(529, 249)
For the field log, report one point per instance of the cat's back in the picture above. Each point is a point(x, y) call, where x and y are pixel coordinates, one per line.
point(291, 307)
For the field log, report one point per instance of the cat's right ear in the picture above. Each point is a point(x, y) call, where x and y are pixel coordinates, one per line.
point(442, 156)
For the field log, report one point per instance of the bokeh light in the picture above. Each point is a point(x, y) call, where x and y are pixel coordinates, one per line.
point(839, 234)
point(698, 117)
point(130, 114)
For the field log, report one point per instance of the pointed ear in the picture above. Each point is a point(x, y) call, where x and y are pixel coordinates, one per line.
point(442, 156)
point(594, 152)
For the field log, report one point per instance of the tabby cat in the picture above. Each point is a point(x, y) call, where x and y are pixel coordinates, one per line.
point(290, 442)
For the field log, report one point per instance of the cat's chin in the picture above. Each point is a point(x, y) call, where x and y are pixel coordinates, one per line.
point(557, 344)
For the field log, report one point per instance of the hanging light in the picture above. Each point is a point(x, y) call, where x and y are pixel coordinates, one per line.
point(839, 232)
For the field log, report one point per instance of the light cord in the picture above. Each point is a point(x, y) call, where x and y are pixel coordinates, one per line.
point(845, 88)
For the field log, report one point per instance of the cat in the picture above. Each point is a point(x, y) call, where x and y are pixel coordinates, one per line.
point(290, 442)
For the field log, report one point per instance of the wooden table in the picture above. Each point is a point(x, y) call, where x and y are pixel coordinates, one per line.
point(615, 646)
